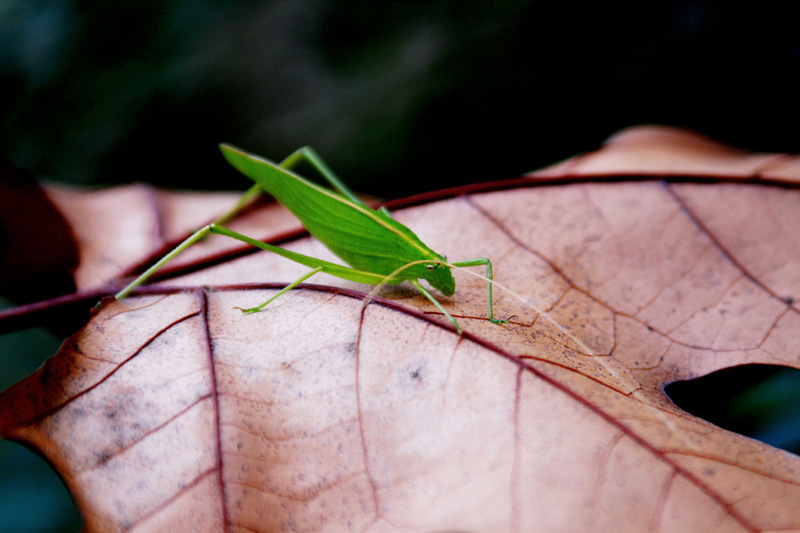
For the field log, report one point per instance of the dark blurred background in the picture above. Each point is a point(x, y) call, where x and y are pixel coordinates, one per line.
point(399, 97)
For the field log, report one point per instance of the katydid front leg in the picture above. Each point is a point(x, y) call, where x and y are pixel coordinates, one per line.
point(488, 262)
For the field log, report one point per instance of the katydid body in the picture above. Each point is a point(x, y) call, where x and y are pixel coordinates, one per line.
point(378, 248)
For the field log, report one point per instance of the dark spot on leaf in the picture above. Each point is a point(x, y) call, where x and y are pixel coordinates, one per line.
point(103, 456)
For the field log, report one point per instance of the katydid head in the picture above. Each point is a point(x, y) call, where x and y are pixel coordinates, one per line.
point(439, 276)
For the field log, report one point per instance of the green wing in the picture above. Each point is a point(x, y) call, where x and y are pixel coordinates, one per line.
point(362, 237)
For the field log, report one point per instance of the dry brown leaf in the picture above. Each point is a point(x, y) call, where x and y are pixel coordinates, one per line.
point(173, 411)
point(121, 228)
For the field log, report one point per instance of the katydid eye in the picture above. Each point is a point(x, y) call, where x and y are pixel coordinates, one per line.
point(430, 267)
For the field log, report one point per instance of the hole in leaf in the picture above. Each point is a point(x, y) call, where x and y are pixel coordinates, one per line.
point(758, 401)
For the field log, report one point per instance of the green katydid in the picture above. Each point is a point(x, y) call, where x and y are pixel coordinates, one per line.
point(378, 248)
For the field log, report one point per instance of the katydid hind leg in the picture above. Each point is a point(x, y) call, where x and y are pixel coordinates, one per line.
point(308, 155)
point(333, 269)
point(244, 200)
point(312, 157)
point(384, 211)
point(302, 154)
point(481, 261)
point(198, 235)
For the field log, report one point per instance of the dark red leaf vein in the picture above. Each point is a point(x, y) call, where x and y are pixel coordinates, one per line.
point(203, 297)
point(166, 503)
point(721, 247)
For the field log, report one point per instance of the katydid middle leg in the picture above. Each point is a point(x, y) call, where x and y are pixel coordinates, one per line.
point(287, 288)
point(425, 292)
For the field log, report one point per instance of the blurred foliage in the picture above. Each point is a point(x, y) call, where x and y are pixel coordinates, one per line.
point(399, 97)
